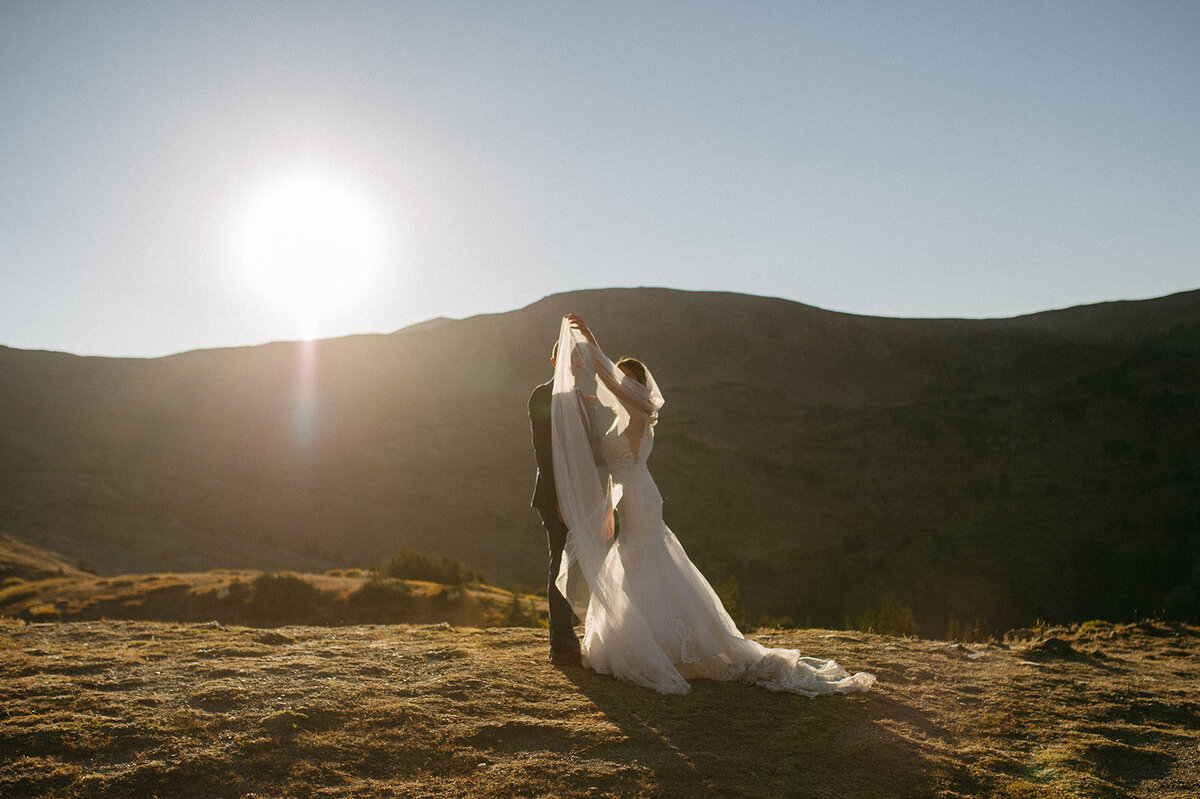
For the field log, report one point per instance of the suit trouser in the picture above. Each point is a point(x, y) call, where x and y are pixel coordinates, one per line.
point(562, 631)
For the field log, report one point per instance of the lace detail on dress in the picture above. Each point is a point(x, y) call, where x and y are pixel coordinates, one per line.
point(617, 453)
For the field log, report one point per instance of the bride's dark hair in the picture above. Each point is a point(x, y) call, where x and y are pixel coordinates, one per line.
point(637, 367)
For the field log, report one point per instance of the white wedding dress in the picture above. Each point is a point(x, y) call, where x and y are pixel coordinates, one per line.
point(649, 615)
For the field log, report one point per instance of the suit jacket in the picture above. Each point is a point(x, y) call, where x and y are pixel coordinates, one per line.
point(544, 493)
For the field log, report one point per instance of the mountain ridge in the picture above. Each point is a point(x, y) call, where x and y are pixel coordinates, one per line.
point(826, 460)
point(1190, 298)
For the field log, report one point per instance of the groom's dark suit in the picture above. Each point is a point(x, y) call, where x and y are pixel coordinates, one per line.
point(545, 499)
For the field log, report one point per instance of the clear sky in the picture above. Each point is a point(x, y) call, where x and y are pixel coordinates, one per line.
point(898, 159)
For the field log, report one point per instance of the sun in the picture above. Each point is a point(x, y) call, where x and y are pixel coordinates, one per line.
point(309, 243)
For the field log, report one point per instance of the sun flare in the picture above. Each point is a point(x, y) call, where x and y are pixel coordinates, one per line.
point(309, 243)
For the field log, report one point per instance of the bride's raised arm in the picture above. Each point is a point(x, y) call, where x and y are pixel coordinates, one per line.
point(634, 396)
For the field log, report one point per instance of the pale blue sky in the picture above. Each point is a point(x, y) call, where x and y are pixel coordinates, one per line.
point(900, 159)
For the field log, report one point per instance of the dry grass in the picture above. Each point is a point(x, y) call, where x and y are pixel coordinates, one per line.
point(176, 710)
point(19, 561)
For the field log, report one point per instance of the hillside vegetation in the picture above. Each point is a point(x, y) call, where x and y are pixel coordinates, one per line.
point(409, 587)
point(22, 561)
point(236, 596)
point(945, 475)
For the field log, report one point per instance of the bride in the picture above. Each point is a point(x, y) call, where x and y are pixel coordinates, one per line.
point(650, 616)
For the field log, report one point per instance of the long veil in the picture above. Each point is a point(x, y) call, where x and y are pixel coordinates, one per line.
point(590, 393)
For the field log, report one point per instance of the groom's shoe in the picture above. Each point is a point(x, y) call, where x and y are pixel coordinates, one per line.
point(565, 657)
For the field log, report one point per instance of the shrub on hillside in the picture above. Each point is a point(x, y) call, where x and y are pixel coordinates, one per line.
point(519, 614)
point(769, 621)
point(281, 596)
point(408, 564)
point(962, 630)
point(890, 617)
point(382, 597)
point(730, 594)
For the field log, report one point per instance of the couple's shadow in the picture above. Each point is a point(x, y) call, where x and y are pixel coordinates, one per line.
point(733, 739)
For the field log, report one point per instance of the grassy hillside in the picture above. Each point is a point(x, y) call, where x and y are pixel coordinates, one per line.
point(408, 588)
point(264, 598)
point(19, 561)
point(118, 709)
point(973, 474)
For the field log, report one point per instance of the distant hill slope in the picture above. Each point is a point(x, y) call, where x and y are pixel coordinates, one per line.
point(232, 596)
point(982, 472)
point(18, 560)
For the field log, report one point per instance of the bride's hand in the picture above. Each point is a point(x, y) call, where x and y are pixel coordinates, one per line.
point(578, 324)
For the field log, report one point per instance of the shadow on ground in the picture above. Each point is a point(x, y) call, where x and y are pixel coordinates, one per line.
point(731, 739)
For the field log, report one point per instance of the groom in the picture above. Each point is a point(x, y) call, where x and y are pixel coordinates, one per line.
point(564, 645)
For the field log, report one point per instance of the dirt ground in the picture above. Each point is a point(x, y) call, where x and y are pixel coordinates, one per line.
point(151, 709)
